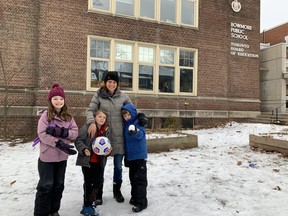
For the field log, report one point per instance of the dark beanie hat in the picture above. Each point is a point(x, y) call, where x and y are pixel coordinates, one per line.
point(112, 75)
point(56, 90)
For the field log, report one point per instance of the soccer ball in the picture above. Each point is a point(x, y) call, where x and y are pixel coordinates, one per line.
point(101, 145)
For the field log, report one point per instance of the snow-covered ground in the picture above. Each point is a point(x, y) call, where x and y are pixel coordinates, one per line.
point(222, 177)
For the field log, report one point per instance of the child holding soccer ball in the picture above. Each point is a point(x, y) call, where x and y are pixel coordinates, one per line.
point(135, 156)
point(92, 164)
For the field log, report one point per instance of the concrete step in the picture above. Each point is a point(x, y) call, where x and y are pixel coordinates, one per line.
point(268, 118)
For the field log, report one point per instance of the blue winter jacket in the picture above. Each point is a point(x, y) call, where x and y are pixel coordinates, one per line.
point(135, 145)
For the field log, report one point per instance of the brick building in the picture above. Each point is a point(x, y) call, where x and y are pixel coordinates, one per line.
point(275, 35)
point(197, 61)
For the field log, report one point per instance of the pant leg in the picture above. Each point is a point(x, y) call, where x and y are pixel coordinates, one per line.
point(44, 188)
point(58, 186)
point(97, 172)
point(138, 179)
point(87, 186)
point(117, 176)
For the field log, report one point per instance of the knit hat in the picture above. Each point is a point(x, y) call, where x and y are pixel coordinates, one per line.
point(112, 75)
point(56, 90)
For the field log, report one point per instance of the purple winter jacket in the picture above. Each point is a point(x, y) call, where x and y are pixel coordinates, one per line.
point(48, 151)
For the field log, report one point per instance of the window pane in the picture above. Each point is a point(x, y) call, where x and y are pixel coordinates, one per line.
point(100, 49)
point(101, 4)
point(167, 56)
point(168, 11)
point(125, 7)
point(98, 69)
point(146, 77)
point(186, 80)
point(166, 79)
point(146, 54)
point(187, 12)
point(124, 52)
point(125, 70)
point(186, 58)
point(147, 8)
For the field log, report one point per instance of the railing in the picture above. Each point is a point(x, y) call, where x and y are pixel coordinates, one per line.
point(277, 112)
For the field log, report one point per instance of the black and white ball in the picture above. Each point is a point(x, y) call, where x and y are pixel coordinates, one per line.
point(101, 145)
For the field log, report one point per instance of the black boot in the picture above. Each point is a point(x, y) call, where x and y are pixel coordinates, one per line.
point(117, 192)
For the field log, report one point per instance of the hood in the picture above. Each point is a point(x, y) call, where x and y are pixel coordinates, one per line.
point(132, 109)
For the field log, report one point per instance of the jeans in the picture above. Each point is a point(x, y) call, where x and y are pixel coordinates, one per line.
point(50, 187)
point(117, 176)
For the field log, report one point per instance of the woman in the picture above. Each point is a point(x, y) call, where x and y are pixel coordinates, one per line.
point(110, 98)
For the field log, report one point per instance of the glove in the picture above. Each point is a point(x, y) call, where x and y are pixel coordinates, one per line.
point(142, 119)
point(57, 131)
point(132, 130)
point(65, 147)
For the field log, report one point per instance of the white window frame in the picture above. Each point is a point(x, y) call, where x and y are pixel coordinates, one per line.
point(156, 64)
point(157, 3)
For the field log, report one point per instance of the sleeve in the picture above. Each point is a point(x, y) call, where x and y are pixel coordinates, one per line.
point(127, 99)
point(93, 106)
point(41, 130)
point(80, 142)
point(140, 131)
point(73, 130)
point(107, 133)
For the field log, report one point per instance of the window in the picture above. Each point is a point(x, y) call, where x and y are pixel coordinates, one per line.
point(124, 65)
point(101, 5)
point(166, 71)
point(180, 12)
point(168, 11)
point(147, 9)
point(187, 12)
point(142, 67)
point(100, 57)
point(146, 68)
point(125, 7)
point(186, 64)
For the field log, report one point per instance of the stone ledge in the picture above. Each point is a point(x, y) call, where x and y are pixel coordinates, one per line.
point(167, 144)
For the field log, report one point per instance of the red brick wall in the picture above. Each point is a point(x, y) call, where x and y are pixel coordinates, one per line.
point(46, 42)
point(275, 35)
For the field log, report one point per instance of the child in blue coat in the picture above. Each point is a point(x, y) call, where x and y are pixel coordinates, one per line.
point(135, 157)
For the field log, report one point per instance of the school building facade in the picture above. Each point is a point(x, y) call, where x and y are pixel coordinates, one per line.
point(194, 61)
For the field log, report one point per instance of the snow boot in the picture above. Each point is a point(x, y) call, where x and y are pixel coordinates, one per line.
point(88, 211)
point(138, 208)
point(117, 192)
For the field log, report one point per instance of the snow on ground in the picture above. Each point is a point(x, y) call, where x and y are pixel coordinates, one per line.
point(222, 177)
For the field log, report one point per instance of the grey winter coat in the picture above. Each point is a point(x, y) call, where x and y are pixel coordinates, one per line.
point(112, 104)
point(82, 142)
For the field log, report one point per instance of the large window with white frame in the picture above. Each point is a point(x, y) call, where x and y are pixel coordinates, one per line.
point(178, 12)
point(142, 67)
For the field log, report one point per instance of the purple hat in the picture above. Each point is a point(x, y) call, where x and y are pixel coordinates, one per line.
point(56, 90)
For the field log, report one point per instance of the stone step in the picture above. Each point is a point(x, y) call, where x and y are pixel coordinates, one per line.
point(268, 118)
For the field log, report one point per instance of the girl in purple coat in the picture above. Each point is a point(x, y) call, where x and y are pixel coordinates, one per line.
point(56, 129)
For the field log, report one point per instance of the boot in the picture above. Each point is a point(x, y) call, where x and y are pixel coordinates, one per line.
point(117, 192)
